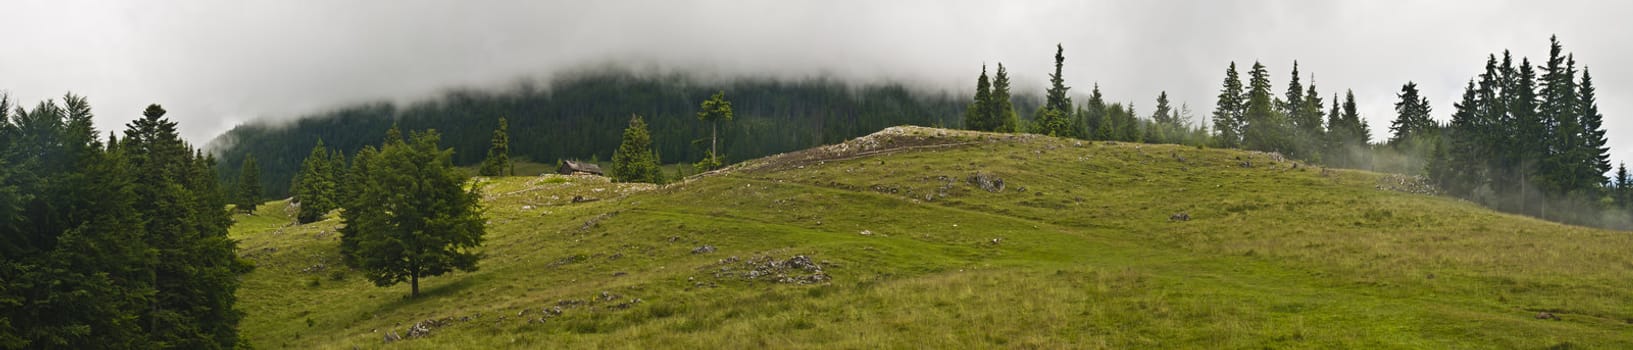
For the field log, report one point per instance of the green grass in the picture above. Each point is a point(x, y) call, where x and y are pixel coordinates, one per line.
point(1085, 257)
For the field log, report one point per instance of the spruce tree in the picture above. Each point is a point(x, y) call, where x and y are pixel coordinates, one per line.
point(634, 160)
point(316, 188)
point(1164, 114)
point(975, 115)
point(415, 218)
point(359, 182)
point(1623, 190)
point(1461, 147)
point(249, 185)
point(1093, 114)
point(1412, 116)
point(1054, 117)
point(1002, 116)
point(1530, 136)
point(194, 270)
point(498, 161)
point(1227, 112)
point(1594, 137)
point(1307, 125)
point(1056, 97)
point(1263, 129)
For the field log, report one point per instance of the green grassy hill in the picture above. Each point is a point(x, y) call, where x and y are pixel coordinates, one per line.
point(891, 241)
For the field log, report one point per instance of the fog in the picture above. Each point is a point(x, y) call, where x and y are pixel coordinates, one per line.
point(214, 64)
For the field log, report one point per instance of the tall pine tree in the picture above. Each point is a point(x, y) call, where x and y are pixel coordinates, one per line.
point(315, 188)
point(634, 160)
point(1002, 113)
point(1227, 112)
point(975, 115)
point(1054, 117)
point(498, 161)
point(249, 185)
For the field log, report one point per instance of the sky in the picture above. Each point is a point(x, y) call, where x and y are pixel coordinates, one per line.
point(216, 64)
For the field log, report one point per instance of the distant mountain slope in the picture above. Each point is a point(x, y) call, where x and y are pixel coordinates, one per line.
point(932, 238)
point(583, 116)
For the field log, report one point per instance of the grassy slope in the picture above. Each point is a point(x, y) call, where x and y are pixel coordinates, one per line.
point(1085, 257)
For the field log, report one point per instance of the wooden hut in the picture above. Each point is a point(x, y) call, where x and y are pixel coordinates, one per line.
point(573, 167)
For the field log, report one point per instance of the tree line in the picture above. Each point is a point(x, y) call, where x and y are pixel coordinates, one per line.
point(1524, 139)
point(115, 243)
point(581, 117)
point(992, 108)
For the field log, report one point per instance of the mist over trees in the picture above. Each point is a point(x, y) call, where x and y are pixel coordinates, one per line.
point(116, 244)
point(1523, 139)
point(582, 116)
point(1531, 143)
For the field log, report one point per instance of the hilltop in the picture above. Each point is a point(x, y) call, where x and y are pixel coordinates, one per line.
point(934, 238)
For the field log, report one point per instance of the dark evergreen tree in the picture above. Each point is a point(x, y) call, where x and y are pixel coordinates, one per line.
point(1623, 187)
point(1054, 117)
point(975, 115)
point(1594, 136)
point(415, 218)
point(1092, 114)
point(1056, 97)
point(1164, 114)
point(1460, 149)
point(1307, 125)
point(1228, 111)
point(249, 185)
point(498, 161)
point(358, 184)
point(1002, 110)
point(1264, 127)
point(634, 160)
point(1412, 116)
point(73, 262)
point(1530, 133)
point(315, 191)
point(194, 271)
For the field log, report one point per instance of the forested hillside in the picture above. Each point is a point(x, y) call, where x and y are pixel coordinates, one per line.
point(582, 117)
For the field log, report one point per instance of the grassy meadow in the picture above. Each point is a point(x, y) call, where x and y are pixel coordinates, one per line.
point(1079, 249)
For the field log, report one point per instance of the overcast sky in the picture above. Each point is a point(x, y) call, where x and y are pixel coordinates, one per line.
point(214, 64)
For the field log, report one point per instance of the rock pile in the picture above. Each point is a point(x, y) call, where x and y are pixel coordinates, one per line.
point(988, 182)
point(1407, 184)
point(799, 269)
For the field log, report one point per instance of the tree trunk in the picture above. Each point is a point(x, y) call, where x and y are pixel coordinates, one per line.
point(714, 137)
point(414, 280)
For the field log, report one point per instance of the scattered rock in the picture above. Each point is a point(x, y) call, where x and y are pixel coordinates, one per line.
point(423, 328)
point(703, 250)
point(1407, 184)
point(988, 182)
point(867, 233)
point(1547, 316)
point(595, 221)
point(619, 274)
point(1182, 216)
point(392, 336)
point(798, 269)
